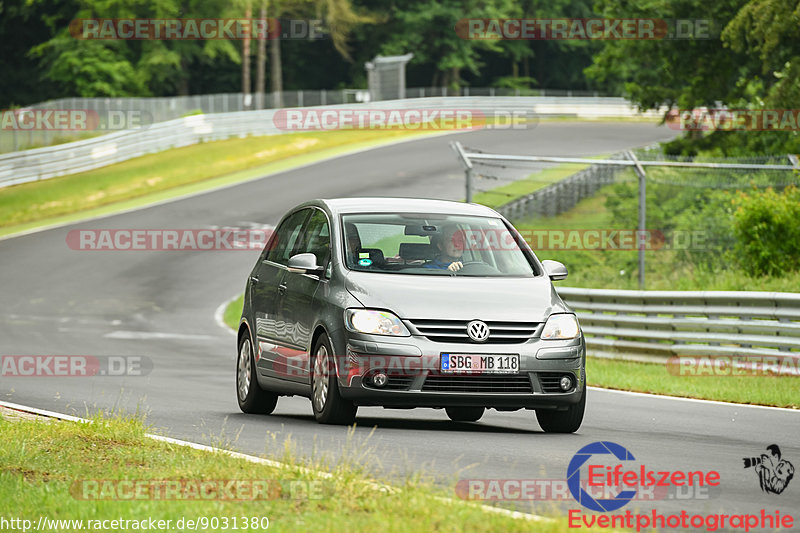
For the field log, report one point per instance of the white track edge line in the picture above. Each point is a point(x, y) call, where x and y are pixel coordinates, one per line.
point(682, 399)
point(219, 314)
point(259, 460)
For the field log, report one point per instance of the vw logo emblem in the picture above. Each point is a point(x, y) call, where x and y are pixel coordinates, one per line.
point(478, 331)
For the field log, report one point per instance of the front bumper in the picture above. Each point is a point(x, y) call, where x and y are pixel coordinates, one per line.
point(415, 380)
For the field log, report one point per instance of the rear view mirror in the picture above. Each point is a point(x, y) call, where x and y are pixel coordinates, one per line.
point(555, 270)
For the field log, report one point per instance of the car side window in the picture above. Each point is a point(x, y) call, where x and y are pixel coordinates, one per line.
point(287, 236)
point(316, 238)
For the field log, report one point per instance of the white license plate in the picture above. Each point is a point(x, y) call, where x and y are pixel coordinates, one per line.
point(479, 363)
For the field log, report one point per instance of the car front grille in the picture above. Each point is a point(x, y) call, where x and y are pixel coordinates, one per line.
point(456, 331)
point(398, 382)
point(550, 381)
point(500, 383)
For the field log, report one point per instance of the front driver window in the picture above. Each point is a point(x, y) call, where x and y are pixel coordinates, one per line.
point(286, 237)
point(316, 238)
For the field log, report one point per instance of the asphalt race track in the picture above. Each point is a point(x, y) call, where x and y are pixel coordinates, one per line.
point(160, 305)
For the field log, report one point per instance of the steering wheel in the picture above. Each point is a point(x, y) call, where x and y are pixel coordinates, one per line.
point(469, 264)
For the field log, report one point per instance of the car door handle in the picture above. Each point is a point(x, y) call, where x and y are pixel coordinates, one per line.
point(282, 288)
point(254, 279)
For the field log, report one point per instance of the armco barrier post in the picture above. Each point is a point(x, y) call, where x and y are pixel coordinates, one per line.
point(642, 213)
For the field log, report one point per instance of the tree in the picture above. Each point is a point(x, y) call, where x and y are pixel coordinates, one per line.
point(85, 67)
point(340, 17)
point(687, 73)
point(246, 103)
point(770, 31)
point(427, 28)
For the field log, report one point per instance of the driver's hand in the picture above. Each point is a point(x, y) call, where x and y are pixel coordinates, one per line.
point(455, 266)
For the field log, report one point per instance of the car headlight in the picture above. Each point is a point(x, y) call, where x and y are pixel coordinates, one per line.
point(562, 326)
point(375, 322)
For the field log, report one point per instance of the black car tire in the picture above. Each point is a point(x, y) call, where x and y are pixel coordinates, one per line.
point(464, 414)
point(326, 401)
point(251, 397)
point(563, 421)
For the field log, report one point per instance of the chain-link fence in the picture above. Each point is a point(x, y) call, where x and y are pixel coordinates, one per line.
point(492, 171)
point(655, 197)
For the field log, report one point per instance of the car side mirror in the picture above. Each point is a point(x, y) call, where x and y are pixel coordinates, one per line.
point(555, 270)
point(304, 264)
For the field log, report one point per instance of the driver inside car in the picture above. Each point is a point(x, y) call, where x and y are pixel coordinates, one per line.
point(450, 245)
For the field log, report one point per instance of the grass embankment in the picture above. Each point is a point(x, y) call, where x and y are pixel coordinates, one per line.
point(654, 378)
point(49, 469)
point(174, 172)
point(501, 195)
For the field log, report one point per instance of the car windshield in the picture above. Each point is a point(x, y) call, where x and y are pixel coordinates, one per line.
point(433, 245)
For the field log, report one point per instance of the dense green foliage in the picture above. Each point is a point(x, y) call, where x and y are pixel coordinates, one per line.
point(740, 53)
point(750, 61)
point(767, 229)
point(753, 231)
point(49, 63)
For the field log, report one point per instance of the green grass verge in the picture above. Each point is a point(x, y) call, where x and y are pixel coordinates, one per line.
point(173, 173)
point(233, 312)
point(654, 378)
point(48, 468)
point(506, 193)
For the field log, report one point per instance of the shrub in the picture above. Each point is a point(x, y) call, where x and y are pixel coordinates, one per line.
point(767, 229)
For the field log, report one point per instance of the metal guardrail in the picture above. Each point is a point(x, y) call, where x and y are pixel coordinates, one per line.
point(79, 156)
point(656, 325)
point(153, 109)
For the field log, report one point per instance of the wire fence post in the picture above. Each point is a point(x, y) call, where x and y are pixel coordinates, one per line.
point(641, 242)
point(459, 150)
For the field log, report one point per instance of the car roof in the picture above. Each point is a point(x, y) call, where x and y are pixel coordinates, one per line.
point(404, 205)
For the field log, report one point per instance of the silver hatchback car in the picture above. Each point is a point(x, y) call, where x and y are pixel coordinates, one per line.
point(407, 303)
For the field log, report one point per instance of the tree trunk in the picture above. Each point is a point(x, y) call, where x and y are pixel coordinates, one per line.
point(455, 81)
point(246, 103)
point(183, 84)
point(276, 74)
point(261, 61)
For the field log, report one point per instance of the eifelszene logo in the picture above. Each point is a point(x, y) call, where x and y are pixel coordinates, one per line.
point(774, 473)
point(618, 485)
